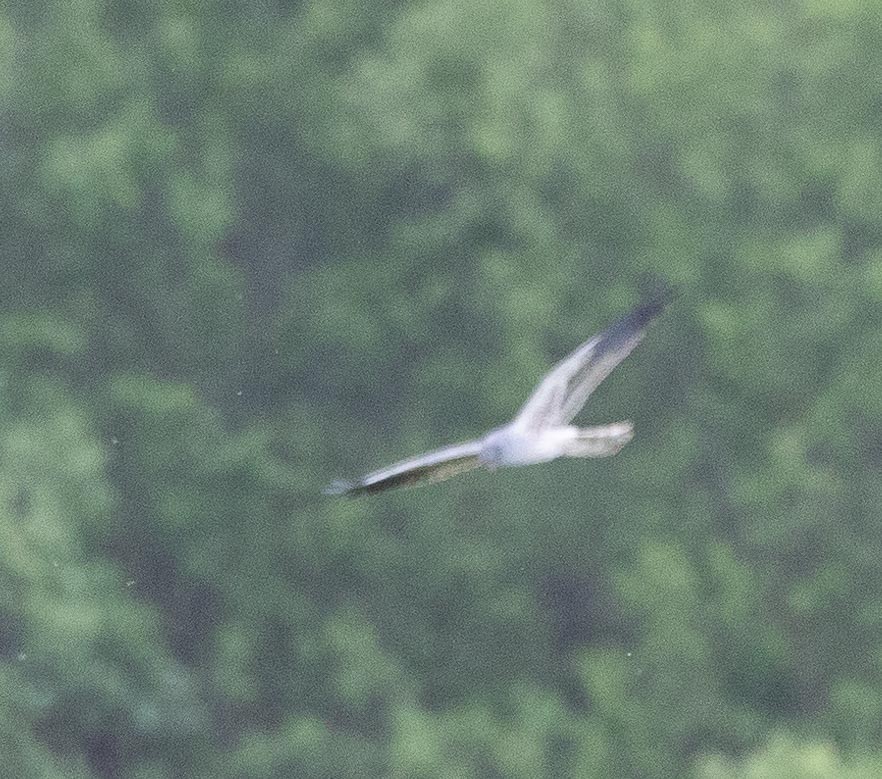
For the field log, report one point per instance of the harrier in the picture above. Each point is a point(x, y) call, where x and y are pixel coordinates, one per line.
point(541, 431)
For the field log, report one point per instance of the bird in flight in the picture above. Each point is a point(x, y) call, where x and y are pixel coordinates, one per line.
point(541, 431)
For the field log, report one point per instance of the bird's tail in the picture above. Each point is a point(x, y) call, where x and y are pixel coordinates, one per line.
point(600, 441)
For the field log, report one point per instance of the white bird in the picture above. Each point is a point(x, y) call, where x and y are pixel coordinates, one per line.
point(541, 431)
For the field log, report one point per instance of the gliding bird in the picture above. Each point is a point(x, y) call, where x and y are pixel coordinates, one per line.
point(541, 431)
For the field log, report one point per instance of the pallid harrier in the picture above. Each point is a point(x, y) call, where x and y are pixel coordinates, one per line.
point(541, 430)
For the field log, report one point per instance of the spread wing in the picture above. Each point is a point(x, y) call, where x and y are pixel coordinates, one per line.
point(430, 467)
point(566, 387)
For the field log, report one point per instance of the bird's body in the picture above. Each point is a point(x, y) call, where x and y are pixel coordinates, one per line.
point(540, 431)
point(511, 445)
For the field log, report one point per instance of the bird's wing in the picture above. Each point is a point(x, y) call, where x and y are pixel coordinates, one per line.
point(430, 467)
point(566, 387)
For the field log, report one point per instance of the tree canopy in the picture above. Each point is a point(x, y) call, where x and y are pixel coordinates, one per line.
point(251, 247)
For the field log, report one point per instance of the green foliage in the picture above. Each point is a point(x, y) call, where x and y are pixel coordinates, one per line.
point(785, 758)
point(251, 247)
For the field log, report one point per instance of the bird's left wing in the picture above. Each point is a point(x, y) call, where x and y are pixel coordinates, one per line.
point(566, 387)
point(430, 467)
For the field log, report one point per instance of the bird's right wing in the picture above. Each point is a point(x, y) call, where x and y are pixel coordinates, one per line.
point(430, 467)
point(566, 387)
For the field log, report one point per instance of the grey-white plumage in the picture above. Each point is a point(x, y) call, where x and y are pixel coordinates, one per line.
point(540, 431)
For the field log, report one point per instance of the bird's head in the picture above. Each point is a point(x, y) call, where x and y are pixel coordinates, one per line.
point(493, 451)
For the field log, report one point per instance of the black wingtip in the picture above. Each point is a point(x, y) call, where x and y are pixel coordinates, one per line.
point(649, 309)
point(635, 322)
point(657, 295)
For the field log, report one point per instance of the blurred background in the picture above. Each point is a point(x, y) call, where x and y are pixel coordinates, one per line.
point(248, 248)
